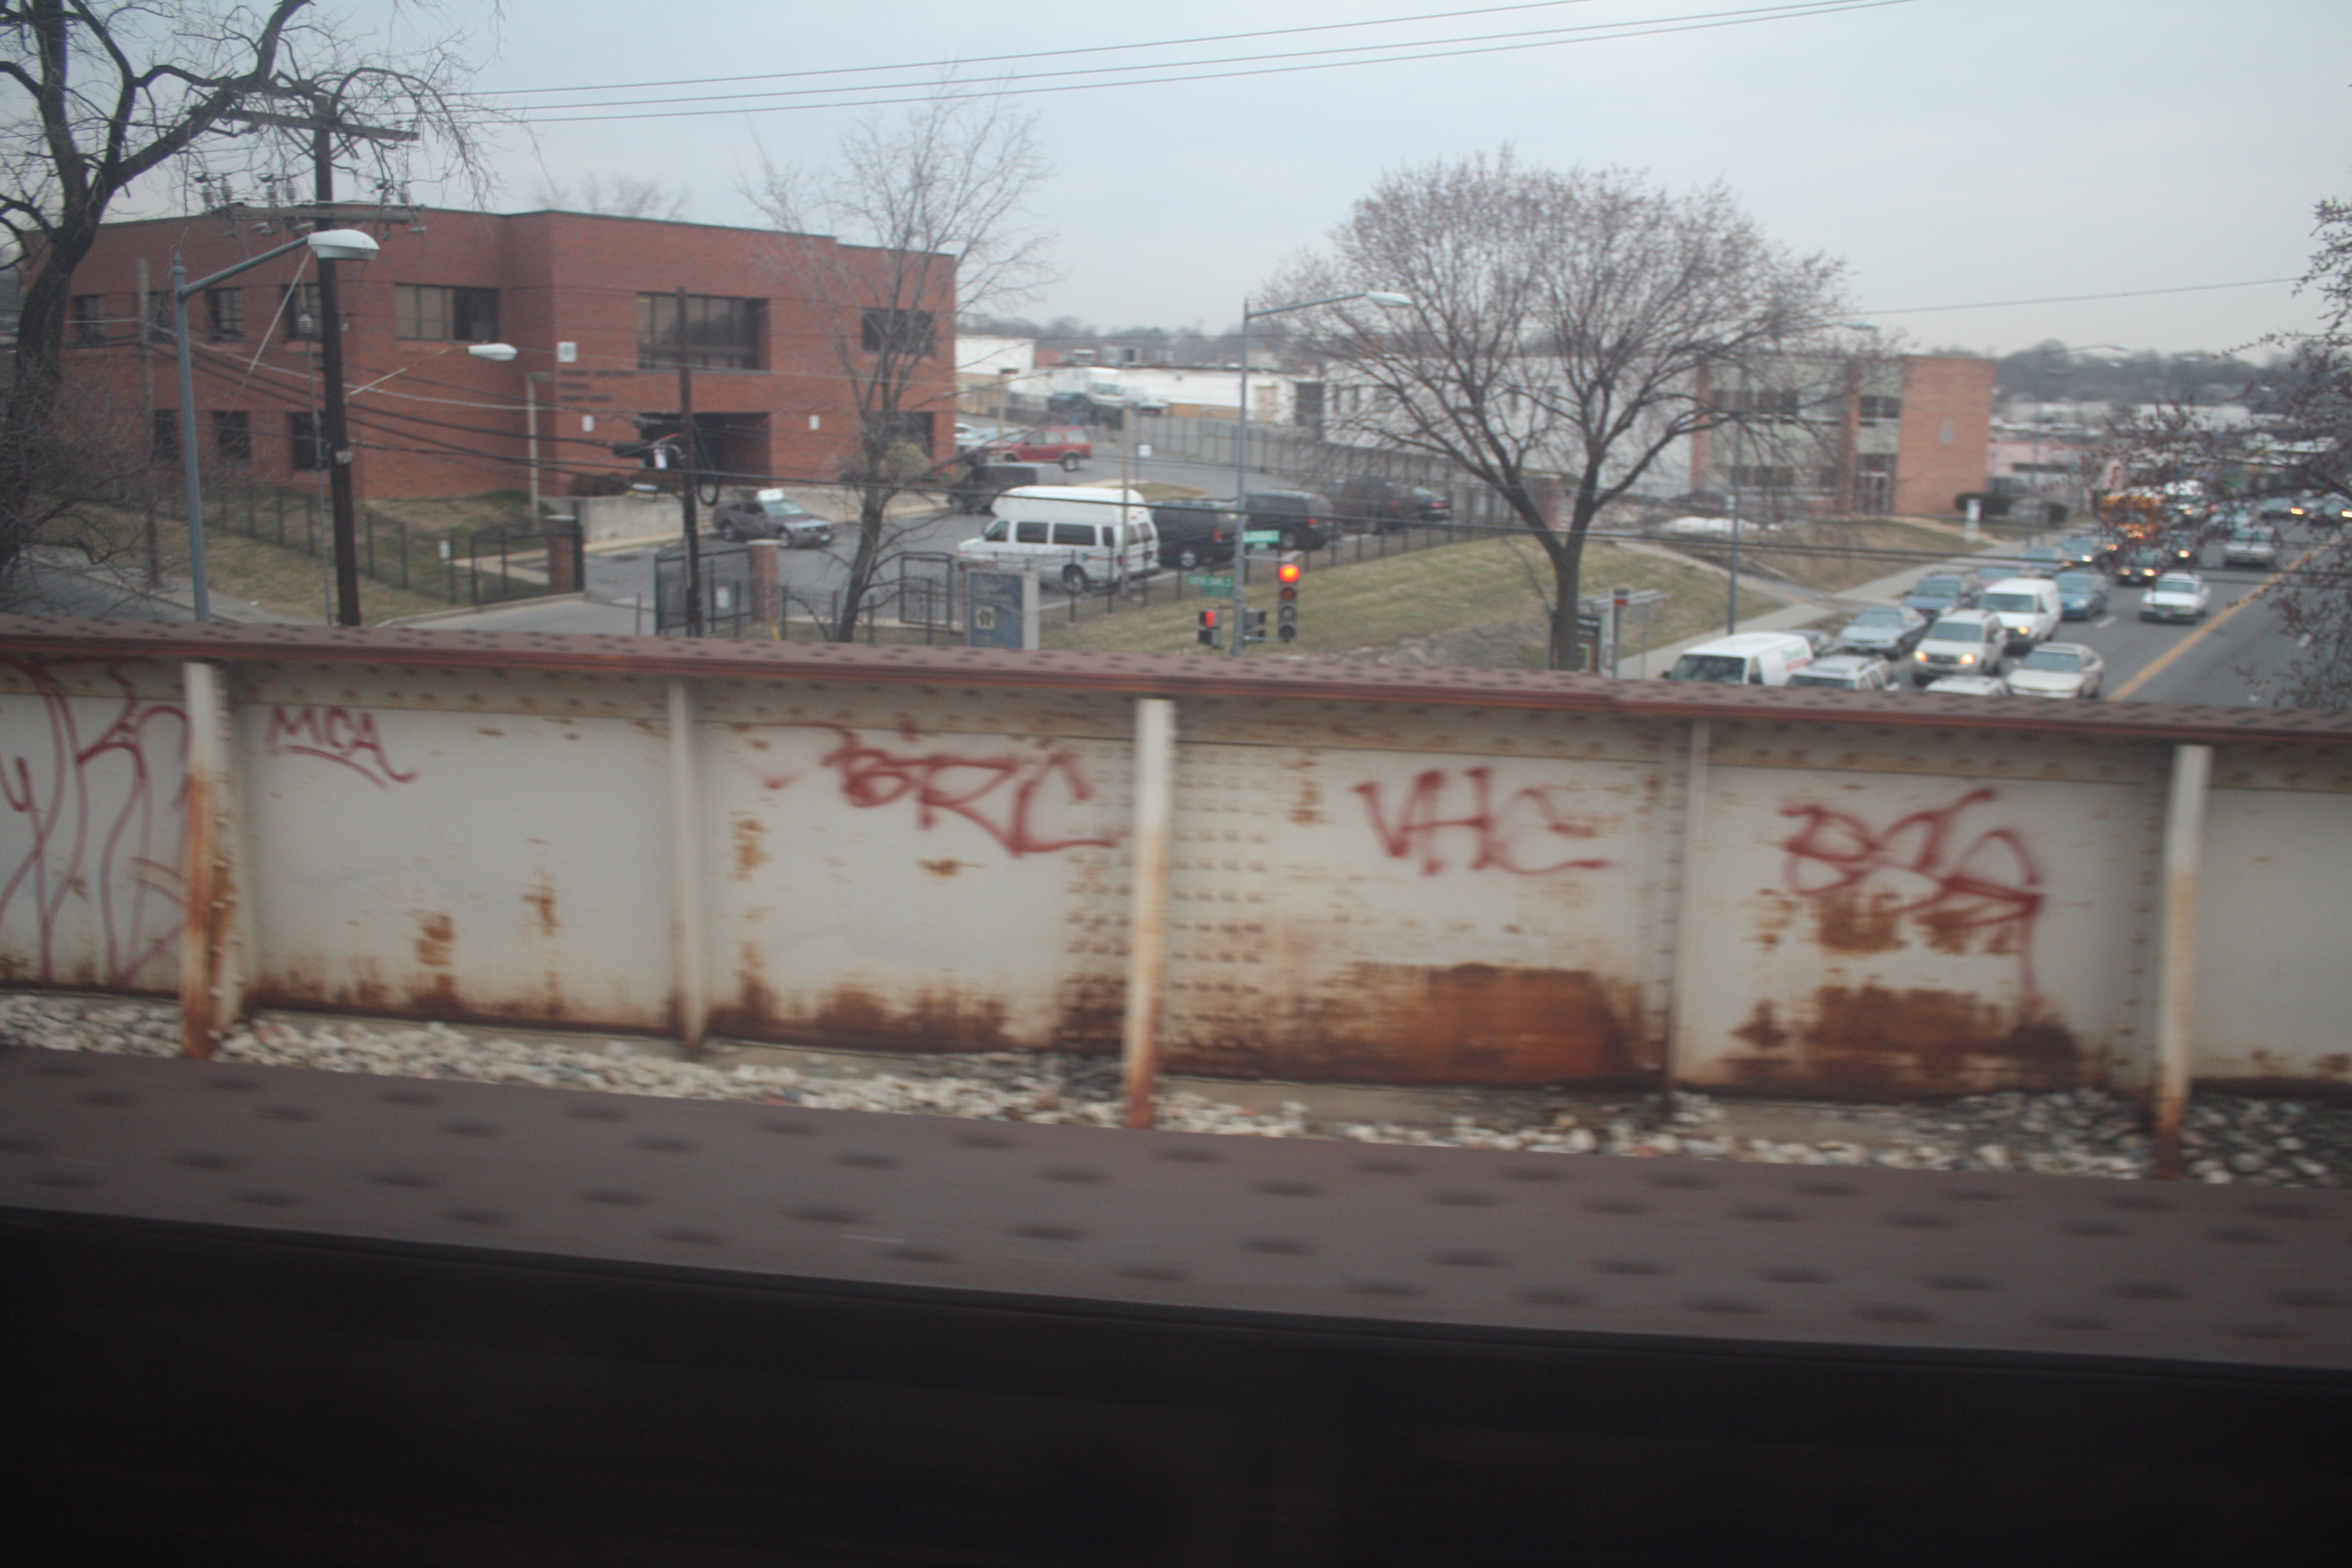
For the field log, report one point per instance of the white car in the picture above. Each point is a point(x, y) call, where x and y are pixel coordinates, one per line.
point(2058, 669)
point(2176, 596)
point(1971, 685)
point(1848, 672)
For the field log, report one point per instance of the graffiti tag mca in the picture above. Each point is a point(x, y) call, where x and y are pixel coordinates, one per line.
point(336, 735)
point(1523, 834)
point(1004, 795)
point(1920, 866)
point(94, 833)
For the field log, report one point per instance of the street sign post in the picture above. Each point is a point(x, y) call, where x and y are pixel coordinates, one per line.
point(1262, 536)
point(1209, 582)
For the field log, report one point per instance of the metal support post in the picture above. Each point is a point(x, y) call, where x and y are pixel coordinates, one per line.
point(688, 961)
point(212, 941)
point(1147, 931)
point(2184, 848)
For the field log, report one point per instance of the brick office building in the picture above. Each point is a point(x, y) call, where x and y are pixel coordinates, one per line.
point(589, 301)
point(1906, 434)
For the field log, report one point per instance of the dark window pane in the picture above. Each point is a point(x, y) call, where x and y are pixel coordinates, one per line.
point(719, 334)
point(90, 318)
point(302, 439)
point(225, 313)
point(232, 435)
point(909, 333)
point(163, 442)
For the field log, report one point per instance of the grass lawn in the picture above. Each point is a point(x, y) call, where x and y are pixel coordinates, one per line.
point(1838, 553)
point(1361, 605)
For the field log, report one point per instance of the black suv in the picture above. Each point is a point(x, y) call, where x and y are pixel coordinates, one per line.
point(1375, 505)
point(1193, 530)
point(1303, 519)
point(977, 489)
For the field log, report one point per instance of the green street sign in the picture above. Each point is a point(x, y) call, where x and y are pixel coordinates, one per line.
point(1263, 536)
point(1209, 582)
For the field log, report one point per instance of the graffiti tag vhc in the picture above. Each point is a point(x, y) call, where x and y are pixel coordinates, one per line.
point(96, 835)
point(1002, 795)
point(336, 735)
point(1515, 836)
point(1930, 866)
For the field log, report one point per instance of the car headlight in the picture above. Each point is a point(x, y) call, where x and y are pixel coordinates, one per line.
point(1967, 659)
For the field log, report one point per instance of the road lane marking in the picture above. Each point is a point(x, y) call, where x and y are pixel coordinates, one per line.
point(2103, 622)
point(2215, 624)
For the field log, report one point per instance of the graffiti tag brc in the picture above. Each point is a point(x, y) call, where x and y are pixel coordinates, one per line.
point(1002, 796)
point(91, 832)
point(1991, 883)
point(336, 735)
point(1510, 836)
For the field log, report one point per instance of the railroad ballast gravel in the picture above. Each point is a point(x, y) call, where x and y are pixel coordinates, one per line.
point(2278, 1143)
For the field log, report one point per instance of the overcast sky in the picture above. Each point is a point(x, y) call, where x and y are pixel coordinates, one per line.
point(1955, 152)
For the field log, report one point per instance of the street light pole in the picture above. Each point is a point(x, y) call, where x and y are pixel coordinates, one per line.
point(1240, 446)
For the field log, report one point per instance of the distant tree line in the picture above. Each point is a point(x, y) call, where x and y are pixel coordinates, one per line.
point(2052, 373)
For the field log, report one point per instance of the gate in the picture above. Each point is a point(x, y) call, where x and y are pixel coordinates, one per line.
point(725, 590)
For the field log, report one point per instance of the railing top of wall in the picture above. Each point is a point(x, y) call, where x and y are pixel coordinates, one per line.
point(1154, 674)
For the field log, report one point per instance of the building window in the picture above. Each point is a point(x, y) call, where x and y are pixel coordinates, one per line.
point(721, 333)
point(1751, 477)
point(302, 445)
point(450, 315)
point(162, 318)
point(1881, 410)
point(225, 313)
point(911, 332)
point(90, 318)
point(164, 436)
point(1761, 402)
point(302, 311)
point(232, 435)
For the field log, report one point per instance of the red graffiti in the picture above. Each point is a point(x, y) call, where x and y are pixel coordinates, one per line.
point(338, 735)
point(1506, 836)
point(1001, 795)
point(100, 839)
point(1991, 883)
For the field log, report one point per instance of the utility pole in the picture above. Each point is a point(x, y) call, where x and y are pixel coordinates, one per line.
point(688, 474)
point(325, 123)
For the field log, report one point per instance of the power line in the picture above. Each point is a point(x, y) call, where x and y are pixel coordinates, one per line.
point(2076, 298)
point(1707, 22)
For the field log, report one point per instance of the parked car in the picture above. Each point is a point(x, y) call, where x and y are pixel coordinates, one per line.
point(2028, 607)
point(1965, 642)
point(1068, 445)
point(1369, 504)
point(1748, 658)
point(2041, 561)
point(1883, 631)
point(2059, 669)
point(1970, 686)
point(2176, 596)
point(2082, 595)
point(1848, 672)
point(982, 483)
point(2139, 564)
point(1303, 518)
point(1939, 592)
point(766, 514)
point(2251, 544)
point(1077, 535)
point(1194, 530)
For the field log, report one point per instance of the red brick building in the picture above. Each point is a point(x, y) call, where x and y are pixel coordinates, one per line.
point(590, 304)
point(1909, 434)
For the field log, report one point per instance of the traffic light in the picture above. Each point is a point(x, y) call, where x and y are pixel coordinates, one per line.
point(1252, 626)
point(1208, 632)
point(1292, 568)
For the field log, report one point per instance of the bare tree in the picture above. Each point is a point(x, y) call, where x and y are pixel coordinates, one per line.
point(934, 202)
point(1562, 324)
point(618, 196)
point(106, 94)
point(2314, 598)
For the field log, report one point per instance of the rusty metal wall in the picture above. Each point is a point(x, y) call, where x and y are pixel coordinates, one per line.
point(1373, 876)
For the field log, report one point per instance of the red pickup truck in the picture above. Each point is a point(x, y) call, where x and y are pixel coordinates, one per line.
point(1064, 444)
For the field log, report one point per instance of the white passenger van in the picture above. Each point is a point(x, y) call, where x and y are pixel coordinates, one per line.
point(1750, 658)
point(2028, 608)
point(1081, 536)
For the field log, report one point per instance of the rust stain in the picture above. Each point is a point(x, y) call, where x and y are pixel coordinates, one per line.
point(1091, 1016)
point(935, 1015)
point(1776, 913)
point(1871, 1043)
point(750, 846)
point(943, 868)
point(1467, 1023)
point(1307, 811)
point(437, 938)
point(1855, 919)
point(540, 899)
point(1963, 930)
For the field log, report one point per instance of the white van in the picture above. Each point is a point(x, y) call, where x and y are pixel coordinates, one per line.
point(1750, 659)
point(1079, 535)
point(2028, 609)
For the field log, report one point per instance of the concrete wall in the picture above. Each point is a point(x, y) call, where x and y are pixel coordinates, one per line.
point(1372, 875)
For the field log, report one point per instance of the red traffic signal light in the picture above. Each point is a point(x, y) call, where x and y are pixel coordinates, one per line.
point(1207, 635)
point(1290, 571)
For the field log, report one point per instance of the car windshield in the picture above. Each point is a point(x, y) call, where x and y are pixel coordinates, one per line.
point(785, 509)
point(1938, 588)
point(2175, 585)
point(2044, 553)
point(1723, 668)
point(2077, 583)
point(995, 531)
point(2251, 536)
point(2064, 660)
point(1969, 631)
point(2016, 604)
point(2080, 545)
point(1842, 682)
point(1880, 616)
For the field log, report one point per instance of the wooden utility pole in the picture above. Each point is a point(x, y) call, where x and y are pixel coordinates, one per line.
point(688, 474)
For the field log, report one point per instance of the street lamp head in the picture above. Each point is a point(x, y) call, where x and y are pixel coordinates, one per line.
point(1390, 301)
point(343, 245)
point(501, 353)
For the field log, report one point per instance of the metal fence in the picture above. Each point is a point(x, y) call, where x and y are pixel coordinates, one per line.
point(467, 566)
point(726, 574)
